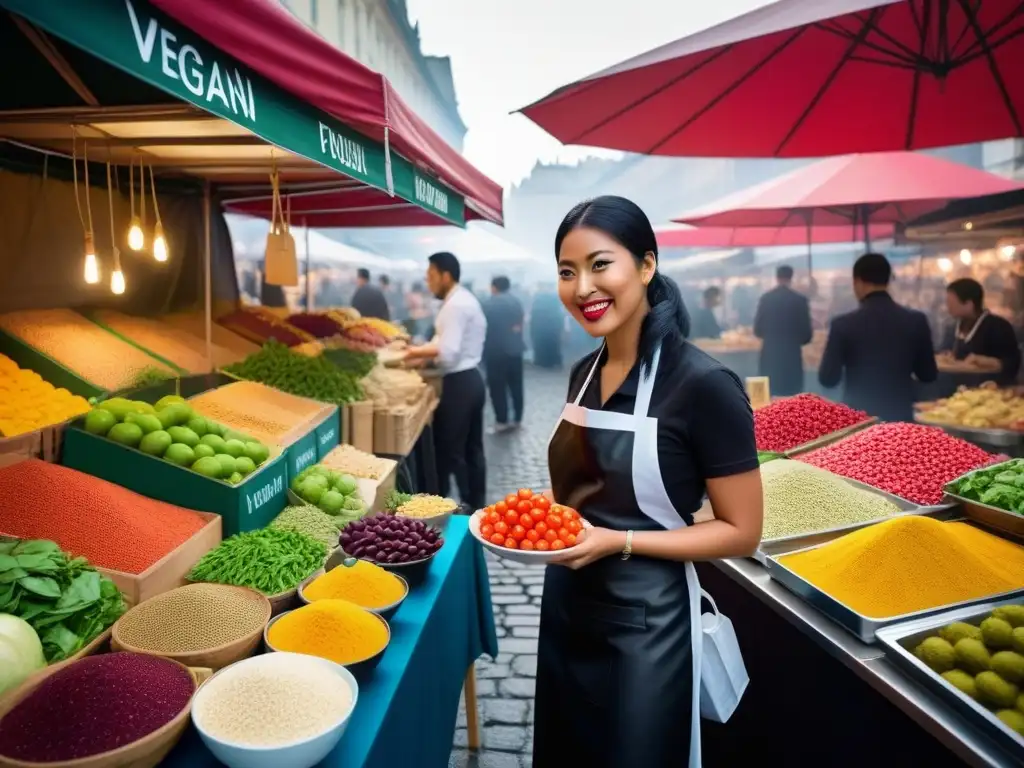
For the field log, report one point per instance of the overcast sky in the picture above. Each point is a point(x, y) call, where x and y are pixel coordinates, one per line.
point(508, 53)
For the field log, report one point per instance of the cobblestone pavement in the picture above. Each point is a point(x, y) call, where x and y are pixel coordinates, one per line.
point(505, 686)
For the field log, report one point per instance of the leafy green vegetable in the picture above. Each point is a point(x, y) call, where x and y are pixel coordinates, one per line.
point(314, 377)
point(358, 363)
point(999, 486)
point(64, 599)
point(270, 560)
point(395, 499)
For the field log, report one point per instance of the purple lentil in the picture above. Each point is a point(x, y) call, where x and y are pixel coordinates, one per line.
point(94, 705)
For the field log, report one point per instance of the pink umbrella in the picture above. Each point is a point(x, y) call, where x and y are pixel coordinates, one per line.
point(889, 187)
point(683, 236)
point(820, 78)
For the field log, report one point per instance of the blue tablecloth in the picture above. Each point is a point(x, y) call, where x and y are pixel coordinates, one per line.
point(407, 706)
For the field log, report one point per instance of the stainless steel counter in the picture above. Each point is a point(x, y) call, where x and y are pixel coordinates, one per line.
point(870, 664)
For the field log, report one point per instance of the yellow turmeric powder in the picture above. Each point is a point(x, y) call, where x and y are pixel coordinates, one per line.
point(363, 583)
point(331, 629)
point(911, 564)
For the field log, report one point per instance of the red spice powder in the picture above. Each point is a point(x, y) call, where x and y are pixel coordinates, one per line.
point(94, 705)
point(108, 525)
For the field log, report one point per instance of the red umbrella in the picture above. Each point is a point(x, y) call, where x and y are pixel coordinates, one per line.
point(684, 236)
point(892, 187)
point(820, 78)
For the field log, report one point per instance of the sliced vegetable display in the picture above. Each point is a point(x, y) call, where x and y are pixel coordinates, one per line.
point(171, 430)
point(313, 377)
point(999, 486)
point(65, 600)
point(270, 560)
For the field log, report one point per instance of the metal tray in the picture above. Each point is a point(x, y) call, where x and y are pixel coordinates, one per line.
point(997, 438)
point(898, 642)
point(864, 627)
point(789, 544)
point(1001, 519)
point(831, 437)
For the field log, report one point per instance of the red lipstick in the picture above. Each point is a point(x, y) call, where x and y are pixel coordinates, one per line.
point(594, 310)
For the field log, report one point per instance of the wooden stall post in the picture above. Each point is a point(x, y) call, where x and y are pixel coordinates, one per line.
point(472, 716)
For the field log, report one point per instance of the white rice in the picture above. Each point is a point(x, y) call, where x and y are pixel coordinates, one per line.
point(271, 701)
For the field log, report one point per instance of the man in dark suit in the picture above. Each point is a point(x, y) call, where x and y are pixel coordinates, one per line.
point(503, 354)
point(783, 323)
point(368, 299)
point(878, 348)
point(704, 324)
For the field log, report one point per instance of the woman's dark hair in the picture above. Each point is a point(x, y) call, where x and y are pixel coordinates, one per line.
point(625, 222)
point(968, 290)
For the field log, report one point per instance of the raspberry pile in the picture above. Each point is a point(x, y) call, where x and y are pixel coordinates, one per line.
point(907, 460)
point(792, 421)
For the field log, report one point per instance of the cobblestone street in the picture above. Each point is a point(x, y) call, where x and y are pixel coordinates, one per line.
point(505, 686)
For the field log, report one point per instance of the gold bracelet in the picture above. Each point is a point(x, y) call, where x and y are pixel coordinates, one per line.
point(628, 549)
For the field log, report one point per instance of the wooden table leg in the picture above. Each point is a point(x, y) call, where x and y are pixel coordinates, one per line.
point(472, 717)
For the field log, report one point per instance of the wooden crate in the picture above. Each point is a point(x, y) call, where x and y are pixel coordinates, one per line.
point(360, 420)
point(395, 432)
point(45, 444)
point(169, 571)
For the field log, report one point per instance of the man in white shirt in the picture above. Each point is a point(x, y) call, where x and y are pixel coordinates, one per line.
point(457, 349)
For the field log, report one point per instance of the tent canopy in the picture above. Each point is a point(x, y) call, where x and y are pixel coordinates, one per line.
point(136, 84)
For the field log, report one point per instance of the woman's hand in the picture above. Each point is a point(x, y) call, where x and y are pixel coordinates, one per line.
point(592, 544)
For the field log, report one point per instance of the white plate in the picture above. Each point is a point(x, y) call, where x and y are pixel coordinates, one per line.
point(515, 555)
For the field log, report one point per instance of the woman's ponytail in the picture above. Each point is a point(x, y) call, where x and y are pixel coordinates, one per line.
point(667, 320)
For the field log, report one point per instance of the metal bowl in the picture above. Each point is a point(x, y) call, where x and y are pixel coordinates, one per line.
point(413, 571)
point(359, 665)
point(385, 611)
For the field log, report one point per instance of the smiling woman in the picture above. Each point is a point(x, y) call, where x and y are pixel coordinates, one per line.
point(653, 425)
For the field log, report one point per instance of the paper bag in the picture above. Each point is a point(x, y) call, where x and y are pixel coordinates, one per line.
point(723, 675)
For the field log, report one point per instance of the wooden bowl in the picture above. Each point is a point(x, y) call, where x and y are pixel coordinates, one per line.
point(385, 611)
point(147, 752)
point(212, 658)
point(355, 667)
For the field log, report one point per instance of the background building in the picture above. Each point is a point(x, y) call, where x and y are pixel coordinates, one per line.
point(378, 34)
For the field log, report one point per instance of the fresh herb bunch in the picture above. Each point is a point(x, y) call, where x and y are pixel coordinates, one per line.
point(314, 377)
point(269, 560)
point(395, 499)
point(65, 600)
point(357, 363)
point(999, 486)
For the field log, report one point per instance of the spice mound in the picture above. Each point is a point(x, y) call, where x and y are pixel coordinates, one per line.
point(910, 564)
point(424, 506)
point(336, 630)
point(792, 421)
point(271, 701)
point(106, 524)
point(799, 498)
point(94, 705)
point(310, 521)
point(269, 560)
point(362, 583)
point(196, 617)
point(907, 460)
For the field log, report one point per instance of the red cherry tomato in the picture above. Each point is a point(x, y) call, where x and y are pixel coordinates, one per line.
point(573, 526)
point(526, 545)
point(554, 521)
point(542, 546)
point(563, 534)
point(525, 493)
point(511, 500)
point(557, 544)
point(497, 538)
point(570, 540)
point(532, 535)
point(526, 521)
point(541, 527)
point(541, 502)
point(501, 507)
point(511, 517)
point(511, 543)
point(501, 528)
point(519, 533)
point(487, 531)
point(524, 507)
point(551, 536)
point(538, 514)
point(493, 517)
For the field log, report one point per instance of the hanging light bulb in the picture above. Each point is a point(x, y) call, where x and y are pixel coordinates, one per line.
point(945, 265)
point(92, 264)
point(136, 237)
point(1007, 252)
point(965, 256)
point(117, 282)
point(160, 250)
point(159, 243)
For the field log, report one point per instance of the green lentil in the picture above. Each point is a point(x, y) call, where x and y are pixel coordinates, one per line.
point(269, 560)
point(800, 498)
point(311, 521)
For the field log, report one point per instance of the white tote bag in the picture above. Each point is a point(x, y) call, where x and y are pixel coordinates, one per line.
point(723, 675)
